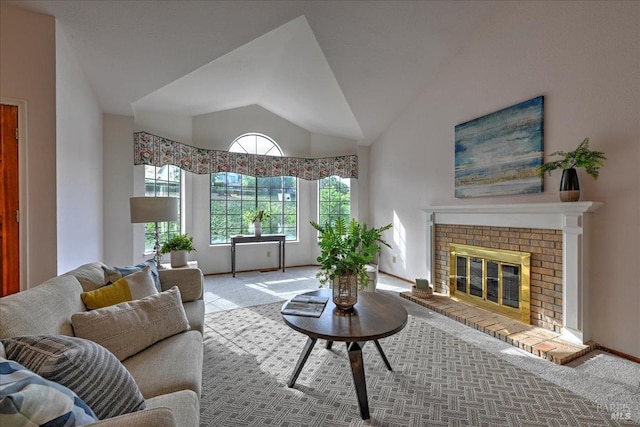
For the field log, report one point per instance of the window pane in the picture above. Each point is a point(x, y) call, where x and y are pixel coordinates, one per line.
point(162, 182)
point(233, 195)
point(334, 199)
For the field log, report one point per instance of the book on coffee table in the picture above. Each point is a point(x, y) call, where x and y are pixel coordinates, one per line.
point(305, 305)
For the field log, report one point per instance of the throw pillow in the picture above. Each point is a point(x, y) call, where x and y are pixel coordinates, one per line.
point(131, 287)
point(28, 399)
point(111, 274)
point(83, 366)
point(130, 327)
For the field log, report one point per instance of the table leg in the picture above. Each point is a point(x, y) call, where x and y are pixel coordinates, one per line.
point(384, 357)
point(357, 369)
point(283, 242)
point(302, 360)
point(233, 259)
point(329, 345)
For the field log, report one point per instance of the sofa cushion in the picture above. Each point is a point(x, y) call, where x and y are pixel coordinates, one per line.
point(43, 310)
point(111, 274)
point(130, 327)
point(90, 276)
point(156, 417)
point(131, 287)
point(83, 366)
point(178, 358)
point(184, 404)
point(195, 314)
point(28, 399)
point(189, 280)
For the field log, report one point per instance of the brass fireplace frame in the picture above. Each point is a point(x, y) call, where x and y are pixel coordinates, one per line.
point(501, 257)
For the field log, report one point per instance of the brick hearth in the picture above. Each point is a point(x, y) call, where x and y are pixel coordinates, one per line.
point(534, 339)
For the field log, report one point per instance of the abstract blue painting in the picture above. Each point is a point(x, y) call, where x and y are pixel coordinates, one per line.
point(499, 154)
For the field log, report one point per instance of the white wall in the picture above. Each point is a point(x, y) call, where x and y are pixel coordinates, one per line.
point(584, 58)
point(118, 188)
point(218, 130)
point(79, 162)
point(27, 72)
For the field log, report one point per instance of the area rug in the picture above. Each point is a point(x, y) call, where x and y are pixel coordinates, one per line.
point(437, 380)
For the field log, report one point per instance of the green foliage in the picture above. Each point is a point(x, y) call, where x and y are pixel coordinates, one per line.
point(581, 157)
point(346, 249)
point(334, 202)
point(259, 215)
point(179, 242)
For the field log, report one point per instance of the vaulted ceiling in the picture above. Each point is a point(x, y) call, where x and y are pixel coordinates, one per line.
point(340, 68)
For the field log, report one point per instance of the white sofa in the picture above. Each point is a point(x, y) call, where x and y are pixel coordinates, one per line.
point(168, 373)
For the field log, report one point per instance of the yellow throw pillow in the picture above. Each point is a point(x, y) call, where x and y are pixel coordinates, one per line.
point(131, 287)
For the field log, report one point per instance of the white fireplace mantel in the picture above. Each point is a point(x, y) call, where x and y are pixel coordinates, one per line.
point(571, 218)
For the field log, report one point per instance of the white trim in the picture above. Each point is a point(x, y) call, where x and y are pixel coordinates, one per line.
point(23, 203)
point(571, 218)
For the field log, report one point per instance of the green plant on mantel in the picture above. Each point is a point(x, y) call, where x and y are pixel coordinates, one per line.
point(345, 249)
point(581, 157)
point(179, 242)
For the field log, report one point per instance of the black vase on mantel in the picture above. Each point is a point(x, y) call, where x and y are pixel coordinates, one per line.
point(569, 186)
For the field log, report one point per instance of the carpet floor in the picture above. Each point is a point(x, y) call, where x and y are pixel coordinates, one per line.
point(438, 380)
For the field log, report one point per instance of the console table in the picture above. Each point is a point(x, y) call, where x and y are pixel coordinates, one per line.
point(279, 238)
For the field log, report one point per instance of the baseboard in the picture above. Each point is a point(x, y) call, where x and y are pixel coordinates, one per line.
point(619, 353)
point(398, 277)
point(262, 270)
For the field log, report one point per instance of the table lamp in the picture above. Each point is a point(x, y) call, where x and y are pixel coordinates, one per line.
point(154, 209)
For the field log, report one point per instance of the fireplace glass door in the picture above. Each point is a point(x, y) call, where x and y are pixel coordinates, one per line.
point(492, 279)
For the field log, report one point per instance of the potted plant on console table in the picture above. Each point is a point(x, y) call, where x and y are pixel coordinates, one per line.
point(179, 245)
point(581, 157)
point(344, 252)
point(256, 218)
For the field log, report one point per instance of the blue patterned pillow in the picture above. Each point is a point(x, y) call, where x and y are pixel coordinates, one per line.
point(88, 369)
point(112, 274)
point(28, 399)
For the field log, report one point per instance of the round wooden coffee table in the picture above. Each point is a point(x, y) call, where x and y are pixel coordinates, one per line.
point(375, 316)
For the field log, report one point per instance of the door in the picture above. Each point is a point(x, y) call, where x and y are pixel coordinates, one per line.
point(9, 201)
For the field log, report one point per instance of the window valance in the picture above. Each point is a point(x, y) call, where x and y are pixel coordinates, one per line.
point(154, 150)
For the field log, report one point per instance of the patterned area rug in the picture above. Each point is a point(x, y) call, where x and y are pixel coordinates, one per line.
point(438, 380)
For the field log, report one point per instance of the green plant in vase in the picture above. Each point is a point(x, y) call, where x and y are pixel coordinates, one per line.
point(178, 245)
point(256, 218)
point(345, 249)
point(582, 157)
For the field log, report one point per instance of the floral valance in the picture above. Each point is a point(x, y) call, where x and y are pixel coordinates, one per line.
point(154, 150)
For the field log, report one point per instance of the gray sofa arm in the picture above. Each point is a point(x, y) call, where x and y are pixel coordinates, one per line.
point(155, 417)
point(190, 281)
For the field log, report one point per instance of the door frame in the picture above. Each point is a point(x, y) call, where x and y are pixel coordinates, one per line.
point(23, 186)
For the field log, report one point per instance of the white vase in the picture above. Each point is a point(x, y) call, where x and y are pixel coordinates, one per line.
point(178, 258)
point(257, 228)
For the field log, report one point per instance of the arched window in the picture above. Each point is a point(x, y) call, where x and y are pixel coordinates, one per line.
point(233, 195)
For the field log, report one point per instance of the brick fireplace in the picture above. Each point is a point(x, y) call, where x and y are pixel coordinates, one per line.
point(545, 247)
point(556, 236)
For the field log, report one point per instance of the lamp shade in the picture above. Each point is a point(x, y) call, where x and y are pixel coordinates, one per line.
point(153, 209)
